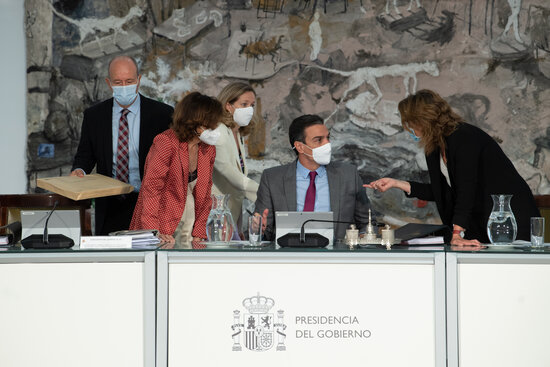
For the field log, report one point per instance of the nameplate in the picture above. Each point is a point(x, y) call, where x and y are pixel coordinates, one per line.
point(102, 242)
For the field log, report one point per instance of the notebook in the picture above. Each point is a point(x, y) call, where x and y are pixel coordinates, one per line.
point(418, 230)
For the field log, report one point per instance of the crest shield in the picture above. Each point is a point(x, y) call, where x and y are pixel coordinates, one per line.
point(258, 327)
point(258, 331)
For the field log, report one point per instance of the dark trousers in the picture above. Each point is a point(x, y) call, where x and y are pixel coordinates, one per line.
point(114, 213)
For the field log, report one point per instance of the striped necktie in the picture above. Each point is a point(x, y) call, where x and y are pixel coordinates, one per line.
point(122, 153)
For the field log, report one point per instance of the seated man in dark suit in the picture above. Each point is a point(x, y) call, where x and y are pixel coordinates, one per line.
point(312, 182)
point(116, 136)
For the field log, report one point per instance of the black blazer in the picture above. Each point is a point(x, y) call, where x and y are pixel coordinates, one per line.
point(96, 149)
point(477, 168)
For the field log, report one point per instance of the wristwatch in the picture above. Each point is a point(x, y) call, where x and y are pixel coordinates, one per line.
point(459, 232)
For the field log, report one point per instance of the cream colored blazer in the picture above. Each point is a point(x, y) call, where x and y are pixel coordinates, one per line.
point(227, 176)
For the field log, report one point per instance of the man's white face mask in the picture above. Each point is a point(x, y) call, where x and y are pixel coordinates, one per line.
point(321, 155)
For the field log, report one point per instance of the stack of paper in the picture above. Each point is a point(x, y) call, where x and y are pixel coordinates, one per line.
point(144, 238)
point(430, 240)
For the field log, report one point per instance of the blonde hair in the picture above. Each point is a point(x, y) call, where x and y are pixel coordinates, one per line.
point(229, 94)
point(432, 115)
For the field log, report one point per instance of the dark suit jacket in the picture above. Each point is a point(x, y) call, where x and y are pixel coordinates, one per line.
point(477, 168)
point(348, 200)
point(96, 147)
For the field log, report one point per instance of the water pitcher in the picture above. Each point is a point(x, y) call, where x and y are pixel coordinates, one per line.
point(502, 226)
point(219, 226)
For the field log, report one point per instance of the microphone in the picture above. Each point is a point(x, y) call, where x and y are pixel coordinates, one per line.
point(45, 241)
point(303, 239)
point(45, 235)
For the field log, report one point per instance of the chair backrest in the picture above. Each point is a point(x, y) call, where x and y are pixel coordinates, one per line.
point(543, 203)
point(11, 205)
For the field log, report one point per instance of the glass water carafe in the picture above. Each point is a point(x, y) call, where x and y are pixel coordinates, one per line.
point(502, 227)
point(219, 226)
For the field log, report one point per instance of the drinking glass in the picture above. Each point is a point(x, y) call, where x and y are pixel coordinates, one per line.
point(255, 230)
point(537, 231)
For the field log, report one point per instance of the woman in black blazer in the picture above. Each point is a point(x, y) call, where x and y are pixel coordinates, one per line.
point(465, 166)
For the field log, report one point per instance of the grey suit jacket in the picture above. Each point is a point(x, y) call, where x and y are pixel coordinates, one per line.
point(348, 199)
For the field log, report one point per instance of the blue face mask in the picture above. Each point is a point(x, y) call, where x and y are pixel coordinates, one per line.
point(413, 135)
point(125, 95)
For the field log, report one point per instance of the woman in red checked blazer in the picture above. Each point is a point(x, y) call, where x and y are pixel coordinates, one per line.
point(180, 158)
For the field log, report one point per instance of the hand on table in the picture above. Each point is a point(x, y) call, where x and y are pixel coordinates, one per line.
point(462, 242)
point(167, 238)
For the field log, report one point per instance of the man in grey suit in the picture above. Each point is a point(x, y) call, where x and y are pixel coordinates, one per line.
point(312, 182)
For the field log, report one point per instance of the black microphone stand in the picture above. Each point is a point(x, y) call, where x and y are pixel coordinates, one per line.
point(45, 241)
point(45, 235)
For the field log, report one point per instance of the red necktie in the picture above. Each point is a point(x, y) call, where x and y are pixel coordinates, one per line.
point(122, 152)
point(309, 203)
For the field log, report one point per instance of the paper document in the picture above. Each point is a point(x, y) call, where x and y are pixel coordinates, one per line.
point(5, 239)
point(430, 240)
point(103, 242)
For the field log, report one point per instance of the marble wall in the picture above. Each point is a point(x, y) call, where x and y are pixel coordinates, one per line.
point(348, 61)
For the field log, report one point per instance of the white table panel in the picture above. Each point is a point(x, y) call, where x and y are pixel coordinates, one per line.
point(502, 310)
point(76, 312)
point(392, 307)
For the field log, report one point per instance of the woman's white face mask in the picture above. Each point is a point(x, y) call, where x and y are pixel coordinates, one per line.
point(243, 116)
point(209, 136)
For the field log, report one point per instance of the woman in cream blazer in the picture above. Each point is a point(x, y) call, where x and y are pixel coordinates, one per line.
point(230, 171)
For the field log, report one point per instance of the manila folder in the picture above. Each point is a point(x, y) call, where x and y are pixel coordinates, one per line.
point(87, 187)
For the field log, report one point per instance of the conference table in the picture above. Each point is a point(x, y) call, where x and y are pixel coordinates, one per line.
point(232, 305)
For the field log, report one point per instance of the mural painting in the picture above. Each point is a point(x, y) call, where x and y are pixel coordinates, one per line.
point(349, 61)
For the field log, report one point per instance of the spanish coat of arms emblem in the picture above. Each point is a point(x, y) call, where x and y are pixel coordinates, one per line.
point(258, 327)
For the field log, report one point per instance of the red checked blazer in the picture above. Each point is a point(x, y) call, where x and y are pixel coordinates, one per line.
point(163, 193)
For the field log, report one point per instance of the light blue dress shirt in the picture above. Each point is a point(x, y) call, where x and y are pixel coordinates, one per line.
point(134, 118)
point(322, 193)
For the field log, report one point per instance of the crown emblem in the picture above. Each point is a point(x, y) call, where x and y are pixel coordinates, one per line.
point(258, 304)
